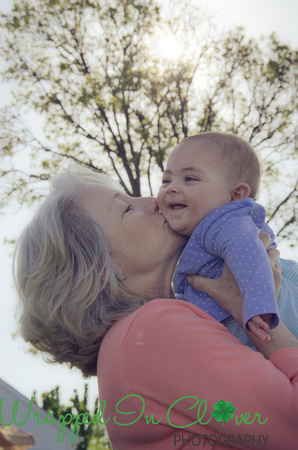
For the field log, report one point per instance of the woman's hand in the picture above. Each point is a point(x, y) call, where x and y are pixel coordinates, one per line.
point(225, 290)
point(273, 255)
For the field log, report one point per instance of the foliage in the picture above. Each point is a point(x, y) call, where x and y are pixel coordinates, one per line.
point(90, 74)
point(94, 437)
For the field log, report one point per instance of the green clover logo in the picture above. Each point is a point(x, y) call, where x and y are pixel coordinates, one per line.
point(223, 411)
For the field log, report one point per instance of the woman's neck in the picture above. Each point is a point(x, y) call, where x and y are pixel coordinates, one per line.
point(155, 284)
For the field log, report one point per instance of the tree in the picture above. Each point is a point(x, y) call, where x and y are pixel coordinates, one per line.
point(94, 437)
point(105, 97)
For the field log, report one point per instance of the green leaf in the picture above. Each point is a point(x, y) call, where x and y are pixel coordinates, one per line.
point(223, 411)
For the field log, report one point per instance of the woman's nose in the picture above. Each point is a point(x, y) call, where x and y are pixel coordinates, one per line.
point(149, 205)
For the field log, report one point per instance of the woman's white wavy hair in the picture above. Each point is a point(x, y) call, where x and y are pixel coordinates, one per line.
point(66, 280)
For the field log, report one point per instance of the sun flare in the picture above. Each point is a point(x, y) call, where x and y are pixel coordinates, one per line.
point(169, 47)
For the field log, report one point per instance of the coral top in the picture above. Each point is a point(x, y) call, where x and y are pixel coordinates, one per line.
point(162, 369)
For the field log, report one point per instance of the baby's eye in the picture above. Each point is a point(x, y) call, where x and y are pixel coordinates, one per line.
point(191, 179)
point(166, 181)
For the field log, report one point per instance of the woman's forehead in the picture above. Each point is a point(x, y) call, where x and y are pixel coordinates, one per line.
point(99, 191)
point(98, 200)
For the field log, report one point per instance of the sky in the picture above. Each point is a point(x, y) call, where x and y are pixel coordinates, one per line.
point(27, 373)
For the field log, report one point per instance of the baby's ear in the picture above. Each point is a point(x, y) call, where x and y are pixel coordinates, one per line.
point(239, 191)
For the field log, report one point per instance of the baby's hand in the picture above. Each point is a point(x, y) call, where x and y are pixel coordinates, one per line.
point(259, 326)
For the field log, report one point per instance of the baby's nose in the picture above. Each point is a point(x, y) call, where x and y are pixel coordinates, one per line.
point(172, 187)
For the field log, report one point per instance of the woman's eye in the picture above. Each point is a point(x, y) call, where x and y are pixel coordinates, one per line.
point(129, 208)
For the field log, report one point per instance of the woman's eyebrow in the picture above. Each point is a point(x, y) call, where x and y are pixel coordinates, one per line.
point(121, 196)
point(116, 208)
point(124, 198)
point(117, 195)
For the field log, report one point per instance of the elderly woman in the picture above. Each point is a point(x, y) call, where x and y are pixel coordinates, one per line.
point(93, 272)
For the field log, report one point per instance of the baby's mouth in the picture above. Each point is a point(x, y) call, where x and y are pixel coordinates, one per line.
point(177, 206)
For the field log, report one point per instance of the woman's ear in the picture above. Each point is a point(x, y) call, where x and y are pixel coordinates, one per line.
point(239, 191)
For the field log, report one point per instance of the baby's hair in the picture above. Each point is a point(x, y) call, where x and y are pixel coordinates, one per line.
point(239, 158)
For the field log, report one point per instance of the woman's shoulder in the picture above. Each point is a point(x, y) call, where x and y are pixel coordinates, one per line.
point(165, 311)
point(163, 305)
point(163, 320)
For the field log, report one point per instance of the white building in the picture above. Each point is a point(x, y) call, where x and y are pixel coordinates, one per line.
point(45, 435)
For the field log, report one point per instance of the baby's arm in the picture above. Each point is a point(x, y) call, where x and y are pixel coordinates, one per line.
point(213, 287)
point(259, 326)
point(234, 238)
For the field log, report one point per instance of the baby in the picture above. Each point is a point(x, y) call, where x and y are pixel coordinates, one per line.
point(207, 193)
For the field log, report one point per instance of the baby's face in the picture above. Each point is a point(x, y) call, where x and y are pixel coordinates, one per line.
point(193, 184)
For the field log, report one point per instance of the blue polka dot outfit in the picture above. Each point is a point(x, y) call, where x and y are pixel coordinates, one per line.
point(230, 233)
point(287, 303)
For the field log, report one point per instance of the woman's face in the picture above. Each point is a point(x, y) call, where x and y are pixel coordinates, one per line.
point(141, 240)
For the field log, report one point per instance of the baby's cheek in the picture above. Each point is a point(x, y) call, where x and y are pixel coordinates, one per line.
point(160, 199)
